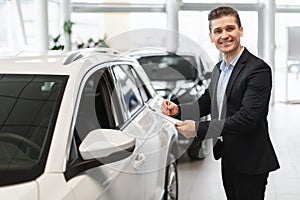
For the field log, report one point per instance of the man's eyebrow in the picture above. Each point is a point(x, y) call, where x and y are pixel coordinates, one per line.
point(226, 26)
point(217, 28)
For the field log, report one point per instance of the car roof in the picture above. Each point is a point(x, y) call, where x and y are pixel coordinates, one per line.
point(59, 63)
point(152, 51)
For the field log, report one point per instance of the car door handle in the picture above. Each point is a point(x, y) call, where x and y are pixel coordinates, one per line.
point(139, 161)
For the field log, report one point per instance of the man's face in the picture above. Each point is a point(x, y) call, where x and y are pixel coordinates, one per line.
point(226, 34)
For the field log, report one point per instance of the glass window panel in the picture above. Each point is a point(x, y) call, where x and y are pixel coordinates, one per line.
point(55, 18)
point(86, 1)
point(3, 27)
point(148, 1)
point(96, 106)
point(144, 93)
point(130, 91)
point(220, 1)
point(121, 1)
point(287, 2)
point(29, 20)
point(86, 26)
point(194, 25)
point(148, 20)
point(282, 22)
point(29, 108)
point(10, 24)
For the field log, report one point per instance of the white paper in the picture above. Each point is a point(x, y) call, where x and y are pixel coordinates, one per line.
point(166, 117)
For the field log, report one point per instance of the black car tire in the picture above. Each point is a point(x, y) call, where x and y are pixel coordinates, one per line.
point(171, 179)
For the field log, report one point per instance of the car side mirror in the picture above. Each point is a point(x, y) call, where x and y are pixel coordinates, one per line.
point(106, 145)
point(100, 147)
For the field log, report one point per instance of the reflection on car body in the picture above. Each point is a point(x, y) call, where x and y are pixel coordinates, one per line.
point(183, 76)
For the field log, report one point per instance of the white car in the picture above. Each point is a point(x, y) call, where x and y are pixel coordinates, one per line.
point(83, 126)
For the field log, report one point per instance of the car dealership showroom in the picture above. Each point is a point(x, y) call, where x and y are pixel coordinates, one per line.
point(149, 99)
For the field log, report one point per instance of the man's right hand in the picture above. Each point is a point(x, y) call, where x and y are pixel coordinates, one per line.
point(169, 108)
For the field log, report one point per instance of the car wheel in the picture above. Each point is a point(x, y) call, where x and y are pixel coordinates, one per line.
point(171, 180)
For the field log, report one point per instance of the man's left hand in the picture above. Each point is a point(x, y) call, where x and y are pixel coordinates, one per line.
point(187, 128)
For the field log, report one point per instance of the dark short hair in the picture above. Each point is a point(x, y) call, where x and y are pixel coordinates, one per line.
point(223, 11)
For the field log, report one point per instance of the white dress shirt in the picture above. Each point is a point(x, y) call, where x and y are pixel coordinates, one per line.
point(224, 79)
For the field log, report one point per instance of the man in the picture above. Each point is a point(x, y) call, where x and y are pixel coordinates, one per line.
point(237, 99)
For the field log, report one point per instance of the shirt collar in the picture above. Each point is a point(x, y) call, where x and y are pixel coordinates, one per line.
point(232, 63)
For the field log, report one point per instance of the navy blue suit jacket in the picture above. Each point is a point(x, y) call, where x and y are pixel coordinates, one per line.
point(243, 124)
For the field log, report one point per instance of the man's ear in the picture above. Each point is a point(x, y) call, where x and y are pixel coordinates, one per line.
point(211, 38)
point(241, 31)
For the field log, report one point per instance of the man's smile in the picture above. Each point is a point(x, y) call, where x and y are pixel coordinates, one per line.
point(226, 43)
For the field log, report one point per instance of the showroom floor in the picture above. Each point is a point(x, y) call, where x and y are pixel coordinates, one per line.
point(201, 180)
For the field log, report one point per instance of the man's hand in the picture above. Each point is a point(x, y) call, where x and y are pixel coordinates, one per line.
point(187, 128)
point(169, 108)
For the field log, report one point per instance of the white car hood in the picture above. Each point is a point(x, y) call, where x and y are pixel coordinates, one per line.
point(24, 191)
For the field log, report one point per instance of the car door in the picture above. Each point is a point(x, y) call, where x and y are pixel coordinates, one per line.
point(152, 133)
point(98, 109)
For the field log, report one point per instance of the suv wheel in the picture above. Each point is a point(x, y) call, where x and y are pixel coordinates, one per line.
point(171, 180)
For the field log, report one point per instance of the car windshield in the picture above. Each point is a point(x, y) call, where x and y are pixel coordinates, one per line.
point(29, 106)
point(170, 67)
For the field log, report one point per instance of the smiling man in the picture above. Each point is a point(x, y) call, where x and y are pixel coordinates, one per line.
point(238, 101)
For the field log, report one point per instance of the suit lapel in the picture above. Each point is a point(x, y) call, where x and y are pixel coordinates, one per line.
point(214, 84)
point(236, 70)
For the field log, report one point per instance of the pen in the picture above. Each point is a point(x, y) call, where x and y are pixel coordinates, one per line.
point(169, 100)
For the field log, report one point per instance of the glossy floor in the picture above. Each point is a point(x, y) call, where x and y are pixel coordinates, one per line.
point(201, 180)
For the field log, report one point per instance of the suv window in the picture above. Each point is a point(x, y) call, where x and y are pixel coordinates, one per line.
point(131, 95)
point(170, 67)
point(144, 92)
point(100, 107)
point(28, 113)
point(97, 107)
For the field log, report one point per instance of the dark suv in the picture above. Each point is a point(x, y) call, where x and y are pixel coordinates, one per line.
point(181, 77)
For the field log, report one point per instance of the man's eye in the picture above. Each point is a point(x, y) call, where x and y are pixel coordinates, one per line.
point(230, 28)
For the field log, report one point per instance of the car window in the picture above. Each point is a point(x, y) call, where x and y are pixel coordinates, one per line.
point(131, 95)
point(169, 67)
point(97, 106)
point(28, 113)
point(143, 89)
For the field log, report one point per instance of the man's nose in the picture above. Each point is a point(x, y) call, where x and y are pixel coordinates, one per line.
point(224, 34)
